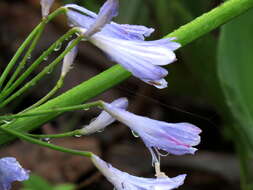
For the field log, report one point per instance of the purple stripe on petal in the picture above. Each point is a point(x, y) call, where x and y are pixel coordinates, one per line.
point(175, 138)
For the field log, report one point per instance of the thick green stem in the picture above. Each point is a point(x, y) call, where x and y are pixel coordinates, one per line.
point(211, 20)
point(45, 144)
point(27, 41)
point(117, 74)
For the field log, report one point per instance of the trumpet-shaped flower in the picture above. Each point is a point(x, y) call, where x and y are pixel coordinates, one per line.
point(125, 44)
point(174, 138)
point(10, 171)
point(104, 119)
point(124, 181)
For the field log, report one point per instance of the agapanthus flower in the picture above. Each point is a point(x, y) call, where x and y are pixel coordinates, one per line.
point(10, 171)
point(68, 60)
point(125, 44)
point(45, 7)
point(104, 119)
point(174, 138)
point(124, 181)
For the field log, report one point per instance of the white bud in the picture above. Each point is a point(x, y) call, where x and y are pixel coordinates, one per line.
point(45, 6)
point(104, 119)
point(68, 60)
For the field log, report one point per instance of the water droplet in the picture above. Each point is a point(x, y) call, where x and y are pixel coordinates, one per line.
point(78, 136)
point(45, 58)
point(7, 122)
point(100, 130)
point(78, 34)
point(46, 140)
point(29, 56)
point(86, 109)
point(136, 135)
point(162, 153)
point(58, 47)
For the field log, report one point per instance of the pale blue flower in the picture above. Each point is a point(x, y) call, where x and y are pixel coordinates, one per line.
point(124, 181)
point(174, 138)
point(105, 15)
point(125, 44)
point(104, 119)
point(122, 31)
point(10, 171)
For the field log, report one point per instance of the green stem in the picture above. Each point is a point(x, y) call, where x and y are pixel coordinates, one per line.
point(49, 95)
point(61, 135)
point(44, 55)
point(117, 74)
point(25, 58)
point(45, 144)
point(211, 20)
point(45, 71)
point(27, 41)
point(52, 111)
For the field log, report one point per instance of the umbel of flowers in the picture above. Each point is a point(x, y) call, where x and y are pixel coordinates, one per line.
point(125, 44)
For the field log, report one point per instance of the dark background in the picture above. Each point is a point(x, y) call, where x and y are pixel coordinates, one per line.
point(186, 99)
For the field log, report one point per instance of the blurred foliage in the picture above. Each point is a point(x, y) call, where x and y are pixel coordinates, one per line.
point(38, 183)
point(235, 72)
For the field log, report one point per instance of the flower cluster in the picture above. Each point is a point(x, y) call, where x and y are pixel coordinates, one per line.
point(126, 45)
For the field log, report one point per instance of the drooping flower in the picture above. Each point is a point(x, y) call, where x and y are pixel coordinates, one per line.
point(10, 171)
point(124, 181)
point(45, 6)
point(68, 60)
point(104, 119)
point(174, 138)
point(125, 44)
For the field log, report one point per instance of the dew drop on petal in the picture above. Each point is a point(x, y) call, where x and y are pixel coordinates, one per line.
point(136, 135)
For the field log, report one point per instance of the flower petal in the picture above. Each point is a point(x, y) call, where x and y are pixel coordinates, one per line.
point(10, 171)
point(175, 138)
point(68, 60)
point(104, 119)
point(105, 15)
point(124, 181)
point(121, 31)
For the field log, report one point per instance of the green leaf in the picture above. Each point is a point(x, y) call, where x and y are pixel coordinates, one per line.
point(235, 69)
point(36, 183)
